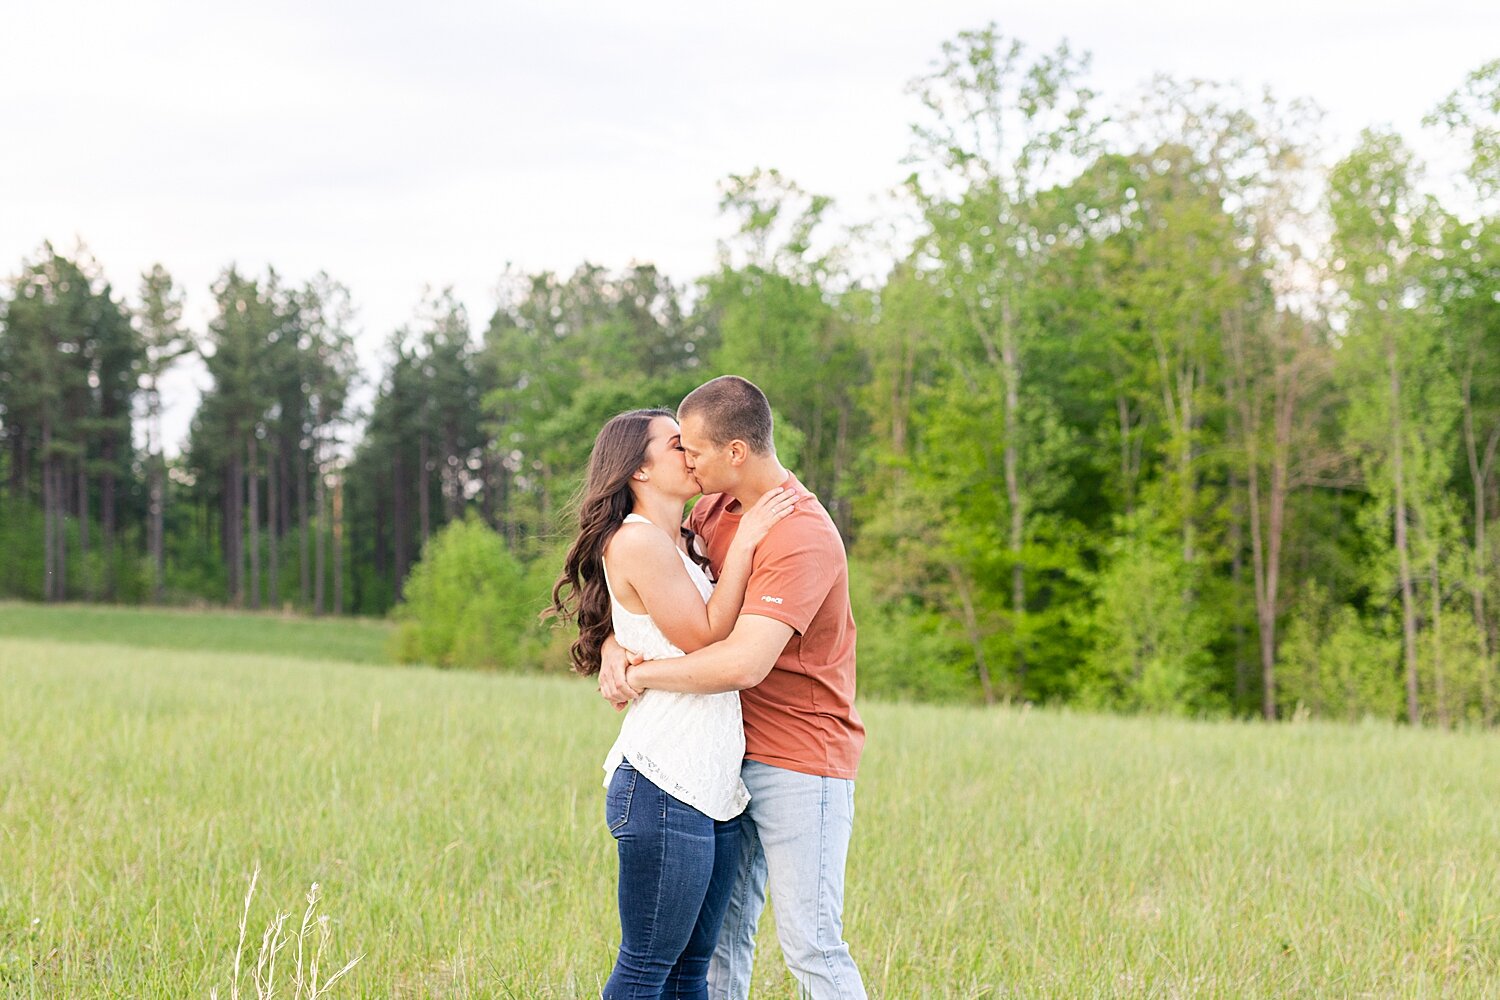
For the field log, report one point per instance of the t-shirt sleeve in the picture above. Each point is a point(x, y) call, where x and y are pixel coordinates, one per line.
point(791, 575)
point(697, 516)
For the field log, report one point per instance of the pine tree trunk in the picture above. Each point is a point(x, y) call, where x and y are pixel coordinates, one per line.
point(49, 536)
point(1237, 583)
point(273, 534)
point(156, 529)
point(18, 469)
point(971, 628)
point(1490, 664)
point(83, 518)
point(226, 513)
point(1480, 471)
point(840, 463)
point(379, 553)
point(226, 519)
point(1403, 552)
point(107, 518)
point(252, 491)
point(320, 491)
point(60, 495)
point(1439, 682)
point(400, 522)
point(284, 475)
point(234, 528)
point(424, 487)
point(1187, 475)
point(1281, 488)
point(156, 496)
point(1265, 611)
point(1010, 355)
point(338, 545)
point(1238, 392)
point(303, 559)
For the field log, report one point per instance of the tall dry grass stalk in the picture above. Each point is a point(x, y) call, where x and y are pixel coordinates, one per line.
point(305, 984)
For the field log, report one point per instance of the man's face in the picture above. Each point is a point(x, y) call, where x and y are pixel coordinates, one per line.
point(706, 461)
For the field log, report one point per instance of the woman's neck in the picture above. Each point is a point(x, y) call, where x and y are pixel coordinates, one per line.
point(663, 511)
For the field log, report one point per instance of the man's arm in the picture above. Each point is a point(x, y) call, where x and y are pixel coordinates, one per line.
point(614, 659)
point(740, 661)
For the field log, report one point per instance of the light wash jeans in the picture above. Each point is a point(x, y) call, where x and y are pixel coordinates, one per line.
point(794, 840)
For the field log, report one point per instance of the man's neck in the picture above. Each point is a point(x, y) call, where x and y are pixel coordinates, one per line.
point(766, 475)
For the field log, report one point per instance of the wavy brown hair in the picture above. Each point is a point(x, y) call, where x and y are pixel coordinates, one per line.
point(580, 594)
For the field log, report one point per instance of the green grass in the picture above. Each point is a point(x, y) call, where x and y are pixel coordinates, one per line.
point(355, 640)
point(455, 823)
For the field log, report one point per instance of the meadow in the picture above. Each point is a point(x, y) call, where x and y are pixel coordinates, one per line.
point(149, 761)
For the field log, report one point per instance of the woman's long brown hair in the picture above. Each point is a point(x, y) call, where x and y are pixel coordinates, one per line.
point(580, 593)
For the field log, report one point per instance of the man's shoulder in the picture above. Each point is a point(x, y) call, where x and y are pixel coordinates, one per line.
point(808, 527)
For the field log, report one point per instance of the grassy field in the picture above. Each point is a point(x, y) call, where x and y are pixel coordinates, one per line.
point(354, 640)
point(454, 822)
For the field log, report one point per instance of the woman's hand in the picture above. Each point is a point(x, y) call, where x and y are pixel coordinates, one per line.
point(768, 511)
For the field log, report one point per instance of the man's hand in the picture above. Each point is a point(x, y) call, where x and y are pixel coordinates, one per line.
point(614, 660)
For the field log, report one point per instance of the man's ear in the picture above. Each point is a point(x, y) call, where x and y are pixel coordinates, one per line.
point(738, 452)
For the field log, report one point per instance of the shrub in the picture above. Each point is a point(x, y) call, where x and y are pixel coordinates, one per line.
point(1332, 664)
point(1151, 648)
point(907, 651)
point(470, 602)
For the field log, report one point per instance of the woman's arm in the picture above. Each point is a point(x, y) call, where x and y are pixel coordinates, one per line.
point(643, 560)
point(734, 576)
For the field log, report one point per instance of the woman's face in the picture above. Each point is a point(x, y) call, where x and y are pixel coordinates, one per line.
point(665, 463)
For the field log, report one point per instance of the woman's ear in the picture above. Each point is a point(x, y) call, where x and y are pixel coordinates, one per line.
point(640, 476)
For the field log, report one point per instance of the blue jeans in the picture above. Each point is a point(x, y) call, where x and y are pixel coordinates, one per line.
point(794, 839)
point(676, 869)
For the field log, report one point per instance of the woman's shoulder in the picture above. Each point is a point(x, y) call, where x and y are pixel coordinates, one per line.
point(634, 540)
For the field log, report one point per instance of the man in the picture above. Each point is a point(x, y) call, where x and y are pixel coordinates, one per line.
point(791, 655)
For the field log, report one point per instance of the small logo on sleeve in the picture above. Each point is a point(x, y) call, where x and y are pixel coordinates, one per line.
point(771, 600)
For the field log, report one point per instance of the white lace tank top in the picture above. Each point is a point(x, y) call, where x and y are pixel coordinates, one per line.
point(690, 746)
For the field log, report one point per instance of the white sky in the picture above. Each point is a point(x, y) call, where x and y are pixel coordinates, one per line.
point(402, 145)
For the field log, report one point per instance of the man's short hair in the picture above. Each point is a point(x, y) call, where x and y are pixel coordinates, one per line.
point(732, 408)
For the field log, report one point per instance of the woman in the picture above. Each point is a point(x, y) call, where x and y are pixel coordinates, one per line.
point(673, 776)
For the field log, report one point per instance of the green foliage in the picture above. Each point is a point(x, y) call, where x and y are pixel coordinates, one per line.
point(470, 603)
point(1151, 634)
point(1471, 114)
point(1143, 411)
point(21, 540)
point(1334, 665)
point(778, 322)
point(906, 651)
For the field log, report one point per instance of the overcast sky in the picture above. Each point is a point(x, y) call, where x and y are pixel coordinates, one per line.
point(403, 145)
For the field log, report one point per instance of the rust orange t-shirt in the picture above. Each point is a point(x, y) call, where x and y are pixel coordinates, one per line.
point(801, 716)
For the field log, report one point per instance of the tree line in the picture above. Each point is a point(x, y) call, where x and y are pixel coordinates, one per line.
point(1152, 408)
